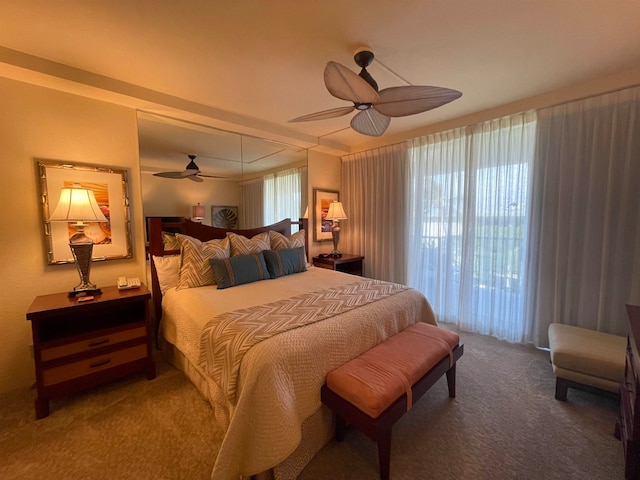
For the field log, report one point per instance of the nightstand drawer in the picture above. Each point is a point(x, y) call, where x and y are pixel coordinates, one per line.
point(69, 371)
point(324, 265)
point(89, 344)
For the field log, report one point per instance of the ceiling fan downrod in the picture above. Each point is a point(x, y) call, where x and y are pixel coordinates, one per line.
point(363, 59)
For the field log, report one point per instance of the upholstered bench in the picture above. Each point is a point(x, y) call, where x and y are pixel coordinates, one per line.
point(373, 391)
point(586, 359)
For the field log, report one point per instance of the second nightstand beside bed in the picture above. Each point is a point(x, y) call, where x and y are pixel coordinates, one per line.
point(347, 263)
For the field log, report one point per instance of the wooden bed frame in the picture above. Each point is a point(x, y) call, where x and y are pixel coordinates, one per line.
point(203, 233)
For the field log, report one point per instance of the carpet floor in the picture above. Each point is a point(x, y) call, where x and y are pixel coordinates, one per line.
point(503, 424)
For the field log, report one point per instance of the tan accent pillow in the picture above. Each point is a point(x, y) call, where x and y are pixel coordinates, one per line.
point(195, 269)
point(280, 242)
point(169, 241)
point(241, 245)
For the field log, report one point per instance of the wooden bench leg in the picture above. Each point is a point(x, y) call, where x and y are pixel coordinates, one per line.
point(451, 381)
point(341, 426)
point(384, 453)
point(561, 389)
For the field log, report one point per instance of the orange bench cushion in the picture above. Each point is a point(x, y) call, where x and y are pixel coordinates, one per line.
point(378, 377)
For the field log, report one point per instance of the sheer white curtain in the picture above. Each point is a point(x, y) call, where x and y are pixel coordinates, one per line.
point(282, 195)
point(468, 218)
point(435, 218)
point(585, 233)
point(374, 198)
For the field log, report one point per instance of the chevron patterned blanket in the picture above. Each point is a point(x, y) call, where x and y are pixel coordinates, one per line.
point(229, 336)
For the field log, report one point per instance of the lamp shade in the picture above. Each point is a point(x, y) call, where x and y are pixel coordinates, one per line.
point(77, 205)
point(336, 212)
point(306, 213)
point(198, 212)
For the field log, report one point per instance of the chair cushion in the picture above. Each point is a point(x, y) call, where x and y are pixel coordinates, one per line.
point(587, 352)
point(378, 377)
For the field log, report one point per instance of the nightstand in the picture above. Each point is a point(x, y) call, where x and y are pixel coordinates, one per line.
point(78, 345)
point(347, 263)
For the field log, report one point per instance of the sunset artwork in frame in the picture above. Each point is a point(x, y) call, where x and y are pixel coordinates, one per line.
point(321, 201)
point(111, 239)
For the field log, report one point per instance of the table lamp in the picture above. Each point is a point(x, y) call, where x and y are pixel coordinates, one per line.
point(197, 213)
point(79, 205)
point(335, 213)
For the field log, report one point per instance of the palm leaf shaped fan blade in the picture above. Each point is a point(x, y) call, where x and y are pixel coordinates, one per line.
point(375, 108)
point(191, 172)
point(370, 122)
point(403, 101)
point(334, 112)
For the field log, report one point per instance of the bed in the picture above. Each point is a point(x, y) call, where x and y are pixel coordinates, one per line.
point(258, 349)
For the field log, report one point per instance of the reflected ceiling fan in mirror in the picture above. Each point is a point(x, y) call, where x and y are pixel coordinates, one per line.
point(375, 107)
point(192, 172)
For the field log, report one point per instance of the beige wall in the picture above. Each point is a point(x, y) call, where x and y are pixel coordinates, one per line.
point(39, 123)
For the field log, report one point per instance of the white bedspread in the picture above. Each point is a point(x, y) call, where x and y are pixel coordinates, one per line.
point(280, 378)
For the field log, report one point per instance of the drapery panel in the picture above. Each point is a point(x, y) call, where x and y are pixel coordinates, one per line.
point(468, 215)
point(274, 197)
point(374, 198)
point(252, 210)
point(282, 195)
point(585, 235)
point(435, 218)
point(509, 225)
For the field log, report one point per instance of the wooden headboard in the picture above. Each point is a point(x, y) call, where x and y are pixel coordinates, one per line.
point(202, 232)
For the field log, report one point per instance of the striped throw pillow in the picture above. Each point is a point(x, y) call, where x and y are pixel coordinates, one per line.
point(280, 242)
point(239, 270)
point(285, 262)
point(195, 269)
point(241, 245)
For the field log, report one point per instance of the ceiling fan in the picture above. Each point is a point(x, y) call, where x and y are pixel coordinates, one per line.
point(375, 108)
point(192, 172)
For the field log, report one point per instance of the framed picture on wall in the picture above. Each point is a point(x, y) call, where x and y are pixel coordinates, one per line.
point(321, 201)
point(224, 216)
point(111, 239)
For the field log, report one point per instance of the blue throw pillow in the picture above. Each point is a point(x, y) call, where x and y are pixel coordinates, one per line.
point(238, 270)
point(285, 262)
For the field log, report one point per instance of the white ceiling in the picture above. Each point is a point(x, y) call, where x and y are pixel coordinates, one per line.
point(252, 65)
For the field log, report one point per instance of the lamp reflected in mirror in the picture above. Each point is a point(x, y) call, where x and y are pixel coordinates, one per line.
point(197, 213)
point(336, 213)
point(79, 206)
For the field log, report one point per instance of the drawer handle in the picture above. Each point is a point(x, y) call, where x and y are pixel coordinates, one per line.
point(99, 364)
point(99, 342)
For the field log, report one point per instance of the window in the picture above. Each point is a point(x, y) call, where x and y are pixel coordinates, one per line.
point(468, 216)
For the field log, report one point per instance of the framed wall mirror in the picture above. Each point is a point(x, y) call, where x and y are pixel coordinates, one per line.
point(184, 164)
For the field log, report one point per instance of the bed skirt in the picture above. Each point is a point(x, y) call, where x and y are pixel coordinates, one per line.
point(317, 429)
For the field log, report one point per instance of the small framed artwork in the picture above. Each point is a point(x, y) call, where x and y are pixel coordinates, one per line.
point(224, 216)
point(111, 239)
point(321, 201)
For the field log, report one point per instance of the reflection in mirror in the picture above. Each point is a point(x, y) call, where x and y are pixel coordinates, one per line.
point(254, 180)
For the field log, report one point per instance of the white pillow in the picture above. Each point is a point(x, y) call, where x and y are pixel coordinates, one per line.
point(168, 270)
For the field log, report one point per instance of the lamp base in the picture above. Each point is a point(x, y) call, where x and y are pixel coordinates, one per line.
point(82, 293)
point(82, 255)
